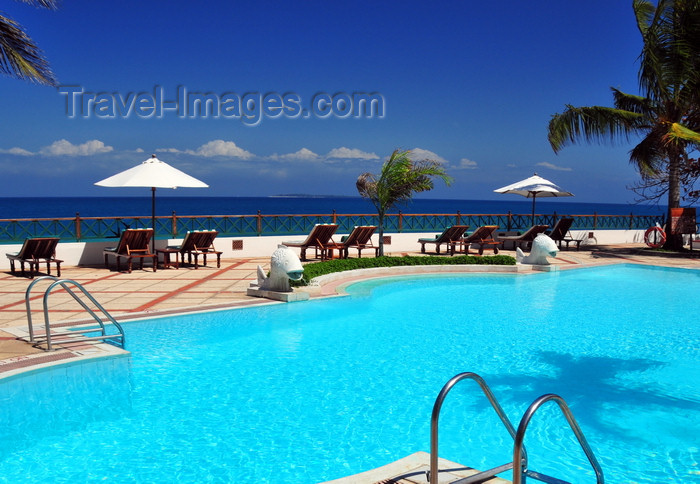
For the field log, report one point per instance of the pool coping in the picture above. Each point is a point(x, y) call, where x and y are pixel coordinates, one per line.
point(412, 469)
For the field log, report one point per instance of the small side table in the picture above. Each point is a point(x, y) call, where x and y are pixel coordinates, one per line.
point(166, 257)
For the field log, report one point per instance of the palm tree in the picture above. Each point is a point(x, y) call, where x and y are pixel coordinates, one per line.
point(19, 56)
point(666, 116)
point(399, 179)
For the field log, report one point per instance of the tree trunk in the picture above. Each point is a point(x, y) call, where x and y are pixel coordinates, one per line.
point(381, 234)
point(673, 242)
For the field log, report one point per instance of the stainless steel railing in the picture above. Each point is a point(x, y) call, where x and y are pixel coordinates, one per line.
point(51, 337)
point(519, 464)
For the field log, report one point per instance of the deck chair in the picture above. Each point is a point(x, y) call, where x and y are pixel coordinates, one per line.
point(34, 251)
point(360, 238)
point(450, 237)
point(560, 233)
point(194, 244)
point(525, 238)
point(133, 243)
point(483, 236)
point(320, 238)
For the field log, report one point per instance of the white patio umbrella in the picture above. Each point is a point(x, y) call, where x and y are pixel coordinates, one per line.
point(152, 173)
point(534, 187)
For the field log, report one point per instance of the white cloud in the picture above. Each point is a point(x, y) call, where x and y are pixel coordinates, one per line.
point(418, 154)
point(466, 164)
point(303, 154)
point(17, 151)
point(217, 147)
point(64, 147)
point(348, 153)
point(553, 167)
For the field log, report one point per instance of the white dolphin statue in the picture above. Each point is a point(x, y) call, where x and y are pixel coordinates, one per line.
point(284, 265)
point(542, 247)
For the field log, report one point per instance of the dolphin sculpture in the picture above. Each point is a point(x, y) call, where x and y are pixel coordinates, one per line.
point(542, 247)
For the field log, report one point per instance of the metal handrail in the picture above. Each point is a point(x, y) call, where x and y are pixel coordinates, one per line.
point(520, 472)
point(27, 303)
point(433, 472)
point(63, 283)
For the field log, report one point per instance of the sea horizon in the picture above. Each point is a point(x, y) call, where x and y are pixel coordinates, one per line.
point(286, 204)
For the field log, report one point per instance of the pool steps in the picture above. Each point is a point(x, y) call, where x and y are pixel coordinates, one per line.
point(79, 332)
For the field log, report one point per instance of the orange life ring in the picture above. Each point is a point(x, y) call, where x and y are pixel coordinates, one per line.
point(655, 237)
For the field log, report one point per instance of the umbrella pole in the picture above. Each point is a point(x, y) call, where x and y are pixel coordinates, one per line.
point(153, 219)
point(534, 196)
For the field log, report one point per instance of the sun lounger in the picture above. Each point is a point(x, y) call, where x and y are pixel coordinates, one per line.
point(525, 238)
point(34, 251)
point(195, 243)
point(450, 237)
point(360, 238)
point(560, 233)
point(133, 243)
point(483, 236)
point(320, 238)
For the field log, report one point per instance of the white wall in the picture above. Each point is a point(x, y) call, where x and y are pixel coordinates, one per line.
point(90, 253)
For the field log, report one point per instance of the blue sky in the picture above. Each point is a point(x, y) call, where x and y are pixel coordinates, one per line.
point(472, 84)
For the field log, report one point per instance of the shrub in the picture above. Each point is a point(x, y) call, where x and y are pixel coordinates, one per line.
point(316, 269)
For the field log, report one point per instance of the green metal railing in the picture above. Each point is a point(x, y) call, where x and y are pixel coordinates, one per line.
point(175, 226)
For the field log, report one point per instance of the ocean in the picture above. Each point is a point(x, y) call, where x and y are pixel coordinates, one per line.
point(67, 207)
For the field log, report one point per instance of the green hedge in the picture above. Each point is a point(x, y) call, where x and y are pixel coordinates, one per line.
point(316, 269)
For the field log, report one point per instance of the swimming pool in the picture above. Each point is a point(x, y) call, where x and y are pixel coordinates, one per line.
point(308, 392)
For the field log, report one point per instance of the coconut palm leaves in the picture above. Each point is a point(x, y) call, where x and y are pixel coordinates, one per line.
point(667, 115)
point(398, 180)
point(19, 56)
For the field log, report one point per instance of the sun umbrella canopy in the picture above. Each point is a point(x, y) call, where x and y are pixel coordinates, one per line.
point(152, 173)
point(534, 187)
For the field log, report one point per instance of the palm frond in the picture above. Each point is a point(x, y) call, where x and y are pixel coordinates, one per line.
point(649, 156)
point(669, 57)
point(631, 102)
point(644, 11)
point(592, 124)
point(20, 57)
point(399, 179)
point(679, 133)
point(49, 4)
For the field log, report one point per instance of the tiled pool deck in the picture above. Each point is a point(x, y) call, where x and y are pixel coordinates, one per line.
point(145, 293)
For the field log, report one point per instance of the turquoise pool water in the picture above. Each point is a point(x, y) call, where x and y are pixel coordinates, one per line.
point(308, 392)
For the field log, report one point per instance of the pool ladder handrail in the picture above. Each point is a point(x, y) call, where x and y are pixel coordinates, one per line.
point(521, 471)
point(64, 283)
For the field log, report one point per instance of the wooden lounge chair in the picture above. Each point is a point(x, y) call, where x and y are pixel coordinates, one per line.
point(360, 238)
point(34, 251)
point(525, 238)
point(133, 243)
point(320, 238)
point(450, 237)
point(194, 244)
point(560, 233)
point(483, 236)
